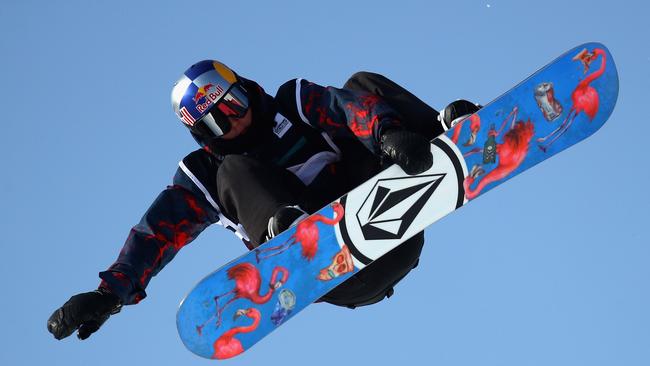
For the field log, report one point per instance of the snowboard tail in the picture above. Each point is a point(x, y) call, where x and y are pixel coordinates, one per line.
point(555, 108)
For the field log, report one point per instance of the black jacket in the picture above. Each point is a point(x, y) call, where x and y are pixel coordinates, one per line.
point(296, 129)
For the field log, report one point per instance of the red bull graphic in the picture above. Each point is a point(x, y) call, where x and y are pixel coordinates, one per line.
point(208, 96)
point(201, 93)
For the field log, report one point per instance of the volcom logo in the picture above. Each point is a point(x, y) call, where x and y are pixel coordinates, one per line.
point(391, 207)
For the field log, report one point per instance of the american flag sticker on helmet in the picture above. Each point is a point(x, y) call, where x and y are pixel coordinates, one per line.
point(186, 117)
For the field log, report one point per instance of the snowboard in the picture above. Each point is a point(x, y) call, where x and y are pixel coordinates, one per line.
point(560, 105)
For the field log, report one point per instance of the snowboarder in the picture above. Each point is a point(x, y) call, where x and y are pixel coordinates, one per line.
point(265, 163)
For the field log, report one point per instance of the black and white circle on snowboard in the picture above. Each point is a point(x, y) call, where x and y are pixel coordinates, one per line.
point(384, 212)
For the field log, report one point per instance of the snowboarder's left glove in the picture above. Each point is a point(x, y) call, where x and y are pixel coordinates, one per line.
point(86, 312)
point(409, 150)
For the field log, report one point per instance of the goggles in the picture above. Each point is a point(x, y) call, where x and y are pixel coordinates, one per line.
point(216, 123)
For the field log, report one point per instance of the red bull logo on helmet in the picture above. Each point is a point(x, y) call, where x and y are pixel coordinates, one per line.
point(206, 96)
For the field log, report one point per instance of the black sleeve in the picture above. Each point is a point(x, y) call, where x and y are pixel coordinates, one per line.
point(339, 112)
point(175, 218)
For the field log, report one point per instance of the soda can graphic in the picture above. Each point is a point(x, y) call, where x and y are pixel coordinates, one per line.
point(546, 101)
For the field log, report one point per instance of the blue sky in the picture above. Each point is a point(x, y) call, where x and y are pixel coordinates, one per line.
point(550, 269)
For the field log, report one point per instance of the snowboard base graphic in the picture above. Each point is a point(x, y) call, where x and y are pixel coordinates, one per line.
point(557, 107)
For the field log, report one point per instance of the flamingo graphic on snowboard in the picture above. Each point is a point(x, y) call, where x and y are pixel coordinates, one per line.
point(227, 346)
point(585, 97)
point(247, 286)
point(511, 153)
point(307, 235)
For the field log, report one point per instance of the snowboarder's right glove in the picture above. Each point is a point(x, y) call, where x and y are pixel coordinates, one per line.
point(409, 150)
point(86, 312)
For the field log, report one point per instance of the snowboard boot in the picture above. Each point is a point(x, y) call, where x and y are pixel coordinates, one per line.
point(456, 111)
point(284, 218)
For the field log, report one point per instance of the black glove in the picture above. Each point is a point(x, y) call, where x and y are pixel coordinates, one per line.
point(409, 150)
point(86, 312)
